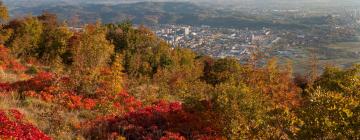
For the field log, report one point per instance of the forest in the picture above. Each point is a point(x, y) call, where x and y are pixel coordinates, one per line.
point(115, 81)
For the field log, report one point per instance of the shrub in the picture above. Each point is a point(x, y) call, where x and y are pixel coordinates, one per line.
point(12, 126)
point(162, 120)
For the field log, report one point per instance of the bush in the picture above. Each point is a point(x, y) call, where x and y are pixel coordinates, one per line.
point(13, 126)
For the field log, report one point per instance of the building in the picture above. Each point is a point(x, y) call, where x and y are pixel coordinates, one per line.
point(186, 31)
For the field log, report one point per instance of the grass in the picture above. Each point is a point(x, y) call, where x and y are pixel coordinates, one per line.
point(54, 120)
point(348, 46)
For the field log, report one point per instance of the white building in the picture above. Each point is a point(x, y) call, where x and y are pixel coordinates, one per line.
point(186, 31)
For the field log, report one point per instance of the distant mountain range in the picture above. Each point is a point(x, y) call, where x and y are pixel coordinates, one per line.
point(227, 3)
point(149, 13)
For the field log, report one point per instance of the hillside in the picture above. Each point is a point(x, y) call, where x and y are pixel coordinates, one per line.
point(114, 81)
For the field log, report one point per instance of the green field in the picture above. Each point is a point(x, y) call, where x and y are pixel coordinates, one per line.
point(343, 54)
point(348, 46)
point(348, 53)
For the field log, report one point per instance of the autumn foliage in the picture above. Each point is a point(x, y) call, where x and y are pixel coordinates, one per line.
point(119, 82)
point(163, 120)
point(13, 126)
point(9, 63)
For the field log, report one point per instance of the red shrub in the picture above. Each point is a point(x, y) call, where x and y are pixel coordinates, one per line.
point(46, 96)
point(12, 126)
point(16, 66)
point(172, 136)
point(161, 121)
point(125, 103)
point(38, 83)
point(9, 63)
point(89, 104)
point(73, 101)
point(5, 87)
point(16, 114)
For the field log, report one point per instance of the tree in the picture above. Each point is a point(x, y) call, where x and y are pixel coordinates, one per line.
point(274, 81)
point(91, 53)
point(221, 70)
point(54, 41)
point(241, 112)
point(330, 115)
point(4, 14)
point(24, 42)
point(338, 80)
point(331, 109)
point(117, 75)
point(117, 34)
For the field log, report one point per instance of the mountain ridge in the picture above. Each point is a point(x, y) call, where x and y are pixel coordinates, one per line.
point(156, 13)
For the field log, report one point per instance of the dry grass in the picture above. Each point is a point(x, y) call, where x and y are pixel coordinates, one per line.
point(52, 119)
point(8, 77)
